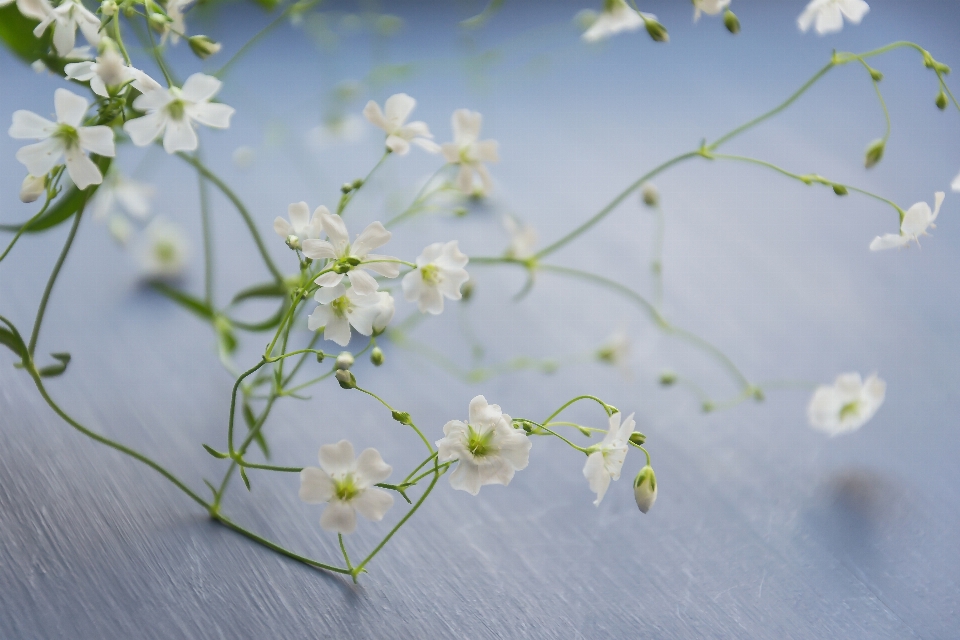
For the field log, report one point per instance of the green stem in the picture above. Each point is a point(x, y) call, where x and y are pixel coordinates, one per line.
point(553, 433)
point(300, 6)
point(421, 195)
point(606, 407)
point(207, 238)
point(420, 466)
point(26, 225)
point(346, 557)
point(348, 197)
point(392, 410)
point(275, 547)
point(233, 402)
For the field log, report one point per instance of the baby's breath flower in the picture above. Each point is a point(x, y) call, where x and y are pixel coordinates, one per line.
point(847, 405)
point(132, 195)
point(339, 309)
point(301, 226)
point(645, 488)
point(826, 16)
point(487, 446)
point(63, 138)
point(109, 71)
point(353, 259)
point(177, 25)
point(385, 310)
point(399, 134)
point(709, 7)
point(347, 486)
point(616, 17)
point(440, 273)
point(32, 188)
point(66, 18)
point(523, 238)
point(915, 223)
point(468, 151)
point(606, 461)
point(164, 254)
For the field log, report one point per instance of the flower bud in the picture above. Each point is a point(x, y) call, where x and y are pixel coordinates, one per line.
point(376, 356)
point(346, 379)
point(402, 417)
point(108, 8)
point(656, 30)
point(293, 242)
point(203, 47)
point(645, 488)
point(941, 100)
point(668, 378)
point(345, 361)
point(876, 75)
point(346, 187)
point(357, 183)
point(320, 356)
point(874, 153)
point(650, 194)
point(466, 291)
point(32, 188)
point(840, 190)
point(731, 22)
point(637, 438)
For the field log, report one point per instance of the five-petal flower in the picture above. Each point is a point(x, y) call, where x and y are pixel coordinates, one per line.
point(616, 16)
point(301, 225)
point(164, 254)
point(347, 486)
point(394, 122)
point(339, 309)
point(65, 20)
point(440, 272)
point(915, 223)
point(108, 70)
point(468, 151)
point(606, 461)
point(523, 238)
point(487, 446)
point(826, 16)
point(351, 259)
point(846, 405)
point(134, 196)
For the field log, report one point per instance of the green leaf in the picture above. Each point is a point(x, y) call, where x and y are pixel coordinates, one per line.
point(11, 338)
point(266, 290)
point(55, 370)
point(16, 32)
point(246, 480)
point(214, 453)
point(251, 421)
point(185, 300)
point(226, 338)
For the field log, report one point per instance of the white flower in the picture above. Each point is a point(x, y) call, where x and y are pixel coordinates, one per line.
point(915, 223)
point(32, 188)
point(606, 461)
point(134, 196)
point(244, 157)
point(399, 134)
point(489, 449)
point(385, 310)
point(829, 14)
point(301, 226)
point(351, 259)
point(109, 71)
point(615, 17)
point(175, 11)
point(347, 486)
point(36, 9)
point(709, 7)
point(63, 138)
point(173, 112)
point(523, 238)
point(440, 272)
point(468, 151)
point(616, 350)
point(164, 254)
point(341, 307)
point(65, 20)
point(645, 488)
point(847, 405)
point(955, 185)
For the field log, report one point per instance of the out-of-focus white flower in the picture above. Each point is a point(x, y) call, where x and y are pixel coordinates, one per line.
point(440, 272)
point(399, 134)
point(36, 9)
point(616, 16)
point(301, 226)
point(955, 185)
point(385, 310)
point(164, 254)
point(132, 195)
point(65, 20)
point(172, 112)
point(709, 7)
point(487, 446)
point(826, 16)
point(341, 307)
point(606, 461)
point(244, 157)
point(32, 188)
point(468, 151)
point(120, 229)
point(175, 11)
point(649, 194)
point(347, 485)
point(63, 138)
point(847, 405)
point(915, 223)
point(645, 488)
point(351, 259)
point(523, 238)
point(109, 71)
point(616, 350)
point(347, 129)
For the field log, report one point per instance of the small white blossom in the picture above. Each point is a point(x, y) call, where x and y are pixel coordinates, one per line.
point(301, 225)
point(65, 19)
point(523, 238)
point(847, 405)
point(616, 16)
point(339, 309)
point(828, 15)
point(352, 259)
point(606, 461)
point(487, 446)
point(172, 112)
point(63, 138)
point(244, 157)
point(915, 223)
point(616, 350)
point(385, 310)
point(109, 71)
point(164, 254)
point(440, 272)
point(132, 195)
point(399, 134)
point(32, 188)
point(347, 485)
point(175, 11)
point(468, 151)
point(709, 7)
point(645, 488)
point(120, 229)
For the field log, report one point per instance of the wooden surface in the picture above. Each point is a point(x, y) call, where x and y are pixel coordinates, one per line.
point(763, 528)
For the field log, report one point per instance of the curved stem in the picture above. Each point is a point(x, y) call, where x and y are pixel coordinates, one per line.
point(275, 547)
point(392, 410)
point(603, 404)
point(347, 198)
point(26, 225)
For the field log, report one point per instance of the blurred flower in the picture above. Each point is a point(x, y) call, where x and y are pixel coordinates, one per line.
point(645, 488)
point(487, 446)
point(173, 112)
point(164, 254)
point(64, 138)
point(616, 350)
point(955, 185)
point(829, 14)
point(244, 157)
point(109, 71)
point(344, 129)
point(351, 259)
point(36, 9)
point(615, 17)
point(468, 151)
point(847, 405)
point(301, 226)
point(65, 20)
point(347, 486)
point(523, 238)
point(915, 223)
point(399, 135)
point(440, 272)
point(606, 461)
point(117, 189)
point(177, 26)
point(32, 188)
point(709, 7)
point(341, 307)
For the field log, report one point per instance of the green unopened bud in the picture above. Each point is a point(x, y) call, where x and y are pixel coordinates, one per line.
point(109, 8)
point(668, 378)
point(466, 291)
point(758, 394)
point(876, 75)
point(941, 100)
point(357, 183)
point(346, 379)
point(657, 31)
point(32, 188)
point(840, 190)
point(376, 356)
point(650, 194)
point(637, 438)
point(203, 47)
point(345, 361)
point(645, 489)
point(731, 22)
point(346, 187)
point(320, 356)
point(874, 153)
point(708, 406)
point(158, 20)
point(402, 417)
point(293, 242)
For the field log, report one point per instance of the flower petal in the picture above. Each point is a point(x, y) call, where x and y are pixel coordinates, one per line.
point(363, 283)
point(427, 145)
point(386, 266)
point(336, 230)
point(145, 129)
point(299, 214)
point(337, 458)
point(82, 169)
point(487, 151)
point(319, 249)
point(398, 108)
point(466, 477)
point(328, 294)
point(371, 468)
point(466, 126)
point(398, 145)
point(329, 279)
point(319, 318)
point(374, 115)
point(889, 241)
point(200, 87)
point(41, 157)
point(596, 474)
point(373, 503)
point(375, 235)
point(98, 140)
point(338, 516)
point(316, 486)
point(179, 136)
point(338, 330)
point(70, 107)
point(211, 114)
point(27, 124)
point(282, 227)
